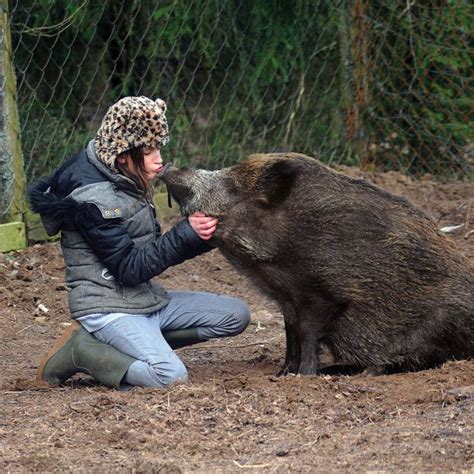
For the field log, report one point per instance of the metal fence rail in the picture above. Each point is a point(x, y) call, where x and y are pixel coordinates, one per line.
point(379, 84)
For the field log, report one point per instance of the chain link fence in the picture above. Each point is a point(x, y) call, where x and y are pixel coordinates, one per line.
point(378, 84)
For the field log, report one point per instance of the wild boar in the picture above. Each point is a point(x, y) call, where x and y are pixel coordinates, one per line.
point(352, 266)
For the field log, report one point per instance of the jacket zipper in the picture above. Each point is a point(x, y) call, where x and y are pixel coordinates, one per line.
point(151, 206)
point(122, 290)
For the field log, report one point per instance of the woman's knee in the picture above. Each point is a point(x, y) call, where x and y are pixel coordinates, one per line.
point(241, 316)
point(171, 371)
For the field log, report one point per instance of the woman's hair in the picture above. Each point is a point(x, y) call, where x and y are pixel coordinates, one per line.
point(137, 175)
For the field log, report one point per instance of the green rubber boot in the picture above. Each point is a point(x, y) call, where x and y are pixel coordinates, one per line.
point(182, 337)
point(78, 351)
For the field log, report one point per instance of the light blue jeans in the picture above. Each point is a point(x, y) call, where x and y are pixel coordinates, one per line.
point(140, 336)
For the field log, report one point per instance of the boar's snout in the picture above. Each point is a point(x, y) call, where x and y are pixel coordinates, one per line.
point(177, 184)
point(167, 172)
point(210, 192)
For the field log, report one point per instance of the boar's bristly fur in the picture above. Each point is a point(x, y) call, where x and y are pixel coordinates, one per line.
point(352, 266)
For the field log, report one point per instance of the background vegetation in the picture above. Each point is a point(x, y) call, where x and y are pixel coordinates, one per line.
point(380, 84)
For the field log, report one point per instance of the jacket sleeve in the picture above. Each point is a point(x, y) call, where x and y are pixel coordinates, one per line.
point(129, 263)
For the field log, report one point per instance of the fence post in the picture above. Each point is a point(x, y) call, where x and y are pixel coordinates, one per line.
point(354, 88)
point(12, 175)
point(360, 57)
point(346, 76)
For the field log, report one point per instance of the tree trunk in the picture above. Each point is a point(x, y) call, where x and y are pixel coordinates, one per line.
point(12, 176)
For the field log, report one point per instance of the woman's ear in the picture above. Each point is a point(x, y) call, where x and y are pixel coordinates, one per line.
point(121, 159)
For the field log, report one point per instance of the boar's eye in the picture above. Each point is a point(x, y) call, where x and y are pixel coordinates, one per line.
point(263, 200)
point(230, 186)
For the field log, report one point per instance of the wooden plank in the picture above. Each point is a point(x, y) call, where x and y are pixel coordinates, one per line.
point(34, 229)
point(12, 175)
point(12, 236)
point(163, 211)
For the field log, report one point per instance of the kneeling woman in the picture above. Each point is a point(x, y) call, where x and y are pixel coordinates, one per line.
point(126, 326)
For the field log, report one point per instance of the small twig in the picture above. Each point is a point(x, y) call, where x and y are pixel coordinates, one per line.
point(355, 388)
point(53, 434)
point(194, 348)
point(319, 438)
point(468, 234)
point(24, 329)
point(233, 449)
point(251, 466)
point(468, 215)
point(245, 433)
point(311, 443)
point(56, 29)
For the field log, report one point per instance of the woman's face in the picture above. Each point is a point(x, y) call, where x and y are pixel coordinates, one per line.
point(152, 162)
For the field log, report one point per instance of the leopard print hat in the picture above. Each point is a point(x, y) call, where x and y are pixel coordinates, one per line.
point(130, 123)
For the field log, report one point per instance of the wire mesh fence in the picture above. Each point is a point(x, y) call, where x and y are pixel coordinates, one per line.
point(379, 84)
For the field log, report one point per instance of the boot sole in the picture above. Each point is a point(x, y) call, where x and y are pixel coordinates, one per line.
point(56, 347)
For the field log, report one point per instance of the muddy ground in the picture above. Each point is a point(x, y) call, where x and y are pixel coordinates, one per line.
point(234, 415)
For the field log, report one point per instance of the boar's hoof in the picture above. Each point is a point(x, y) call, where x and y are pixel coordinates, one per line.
point(287, 370)
point(311, 370)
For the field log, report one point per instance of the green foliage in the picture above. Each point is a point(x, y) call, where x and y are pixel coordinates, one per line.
point(426, 88)
point(242, 76)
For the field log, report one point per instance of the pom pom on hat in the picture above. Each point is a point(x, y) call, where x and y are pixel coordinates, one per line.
point(131, 122)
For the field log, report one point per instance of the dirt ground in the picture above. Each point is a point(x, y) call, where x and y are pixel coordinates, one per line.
point(234, 415)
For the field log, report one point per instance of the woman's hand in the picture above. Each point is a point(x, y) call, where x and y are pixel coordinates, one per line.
point(203, 225)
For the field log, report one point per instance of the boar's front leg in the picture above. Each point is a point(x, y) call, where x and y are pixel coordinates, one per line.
point(309, 364)
point(293, 349)
point(314, 322)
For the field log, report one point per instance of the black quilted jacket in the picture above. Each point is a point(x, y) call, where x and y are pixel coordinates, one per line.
point(111, 241)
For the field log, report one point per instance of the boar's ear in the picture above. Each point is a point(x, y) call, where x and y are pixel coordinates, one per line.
point(275, 182)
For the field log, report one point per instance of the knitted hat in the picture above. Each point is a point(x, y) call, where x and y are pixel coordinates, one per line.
point(130, 123)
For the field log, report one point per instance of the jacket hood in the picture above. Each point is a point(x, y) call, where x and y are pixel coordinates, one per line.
point(52, 208)
point(51, 197)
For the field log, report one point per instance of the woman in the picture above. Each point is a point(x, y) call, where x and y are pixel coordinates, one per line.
point(126, 326)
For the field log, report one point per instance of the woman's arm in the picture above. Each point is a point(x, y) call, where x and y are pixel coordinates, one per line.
point(132, 265)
